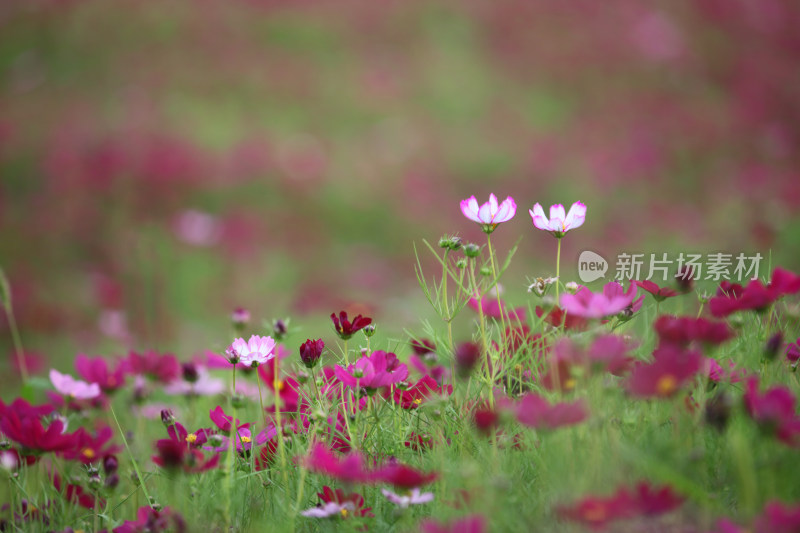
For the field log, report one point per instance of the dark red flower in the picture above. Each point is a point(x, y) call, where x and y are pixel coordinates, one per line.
point(27, 430)
point(682, 331)
point(344, 328)
point(420, 392)
point(755, 296)
point(148, 520)
point(557, 317)
point(311, 351)
point(88, 448)
point(659, 293)
point(423, 346)
point(467, 355)
point(402, 476)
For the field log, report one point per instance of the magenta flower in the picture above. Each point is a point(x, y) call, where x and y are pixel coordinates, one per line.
point(349, 469)
point(415, 497)
point(671, 368)
point(774, 411)
point(311, 351)
point(559, 222)
point(336, 502)
point(613, 300)
point(73, 388)
point(470, 524)
point(755, 296)
point(403, 476)
point(534, 411)
point(96, 370)
point(490, 214)
point(380, 369)
point(793, 352)
point(257, 351)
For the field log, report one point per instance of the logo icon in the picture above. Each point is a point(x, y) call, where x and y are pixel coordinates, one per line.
point(591, 266)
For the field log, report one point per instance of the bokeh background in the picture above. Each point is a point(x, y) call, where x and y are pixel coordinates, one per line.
point(163, 162)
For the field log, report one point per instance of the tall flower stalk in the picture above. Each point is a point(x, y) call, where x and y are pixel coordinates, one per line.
point(559, 223)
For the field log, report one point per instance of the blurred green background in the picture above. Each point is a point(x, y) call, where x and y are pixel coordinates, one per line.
point(164, 162)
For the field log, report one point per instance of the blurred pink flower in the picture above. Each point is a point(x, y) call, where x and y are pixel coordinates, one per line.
point(670, 369)
point(415, 497)
point(560, 222)
point(490, 214)
point(73, 388)
point(197, 228)
point(587, 304)
point(534, 411)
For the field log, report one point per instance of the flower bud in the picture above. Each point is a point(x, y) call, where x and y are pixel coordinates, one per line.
point(773, 346)
point(311, 351)
point(572, 287)
point(485, 271)
point(456, 243)
point(444, 242)
point(92, 470)
point(95, 482)
point(718, 411)
point(302, 377)
point(112, 481)
point(216, 440)
point(4, 444)
point(167, 418)
point(369, 330)
point(240, 318)
point(472, 250)
point(190, 372)
point(280, 328)
point(461, 264)
point(110, 464)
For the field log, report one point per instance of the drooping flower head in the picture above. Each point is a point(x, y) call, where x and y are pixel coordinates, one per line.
point(560, 222)
point(256, 351)
point(490, 214)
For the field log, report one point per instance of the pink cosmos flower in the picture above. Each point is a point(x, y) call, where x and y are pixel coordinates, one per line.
point(560, 222)
point(682, 331)
point(402, 476)
point(490, 214)
point(96, 370)
point(329, 509)
point(349, 469)
point(613, 300)
point(534, 411)
point(793, 352)
point(415, 497)
point(73, 388)
point(257, 351)
point(670, 369)
point(203, 385)
point(380, 369)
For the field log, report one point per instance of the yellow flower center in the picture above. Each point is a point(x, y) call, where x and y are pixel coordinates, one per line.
point(246, 439)
point(88, 453)
point(666, 385)
point(278, 385)
point(418, 401)
point(344, 513)
point(569, 384)
point(191, 438)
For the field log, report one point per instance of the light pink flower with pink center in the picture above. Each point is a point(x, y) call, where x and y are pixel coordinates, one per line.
point(415, 497)
point(329, 509)
point(560, 222)
point(73, 388)
point(490, 214)
point(257, 351)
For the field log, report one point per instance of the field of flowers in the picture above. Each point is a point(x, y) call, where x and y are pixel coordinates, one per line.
point(298, 265)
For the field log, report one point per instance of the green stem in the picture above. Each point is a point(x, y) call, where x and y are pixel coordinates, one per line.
point(19, 352)
point(281, 450)
point(558, 270)
point(133, 459)
point(496, 284)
